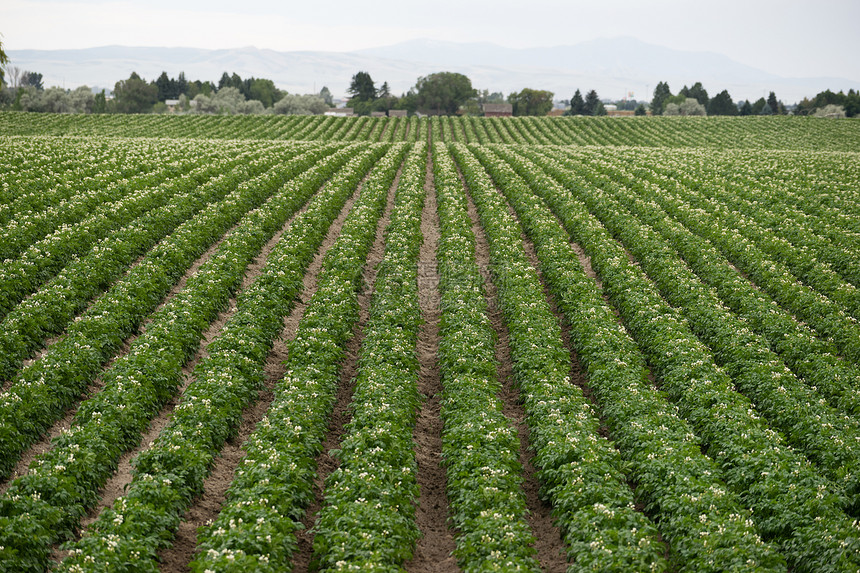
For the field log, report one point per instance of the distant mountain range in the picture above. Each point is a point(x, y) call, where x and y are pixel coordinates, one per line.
point(613, 67)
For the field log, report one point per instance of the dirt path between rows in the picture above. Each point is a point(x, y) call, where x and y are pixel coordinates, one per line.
point(577, 374)
point(551, 552)
point(434, 548)
point(207, 506)
point(96, 385)
point(326, 464)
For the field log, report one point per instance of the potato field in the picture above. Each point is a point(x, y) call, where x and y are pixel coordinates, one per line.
point(304, 343)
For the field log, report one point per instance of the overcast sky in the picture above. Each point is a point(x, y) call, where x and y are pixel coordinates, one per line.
point(792, 38)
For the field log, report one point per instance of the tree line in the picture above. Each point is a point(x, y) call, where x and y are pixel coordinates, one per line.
point(695, 101)
point(230, 95)
point(441, 93)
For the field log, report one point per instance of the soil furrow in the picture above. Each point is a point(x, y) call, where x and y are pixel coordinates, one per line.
point(207, 506)
point(434, 548)
point(44, 444)
point(116, 485)
point(340, 414)
point(551, 552)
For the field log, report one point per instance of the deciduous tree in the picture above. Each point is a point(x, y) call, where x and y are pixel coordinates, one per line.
point(531, 102)
point(292, 104)
point(4, 61)
point(689, 107)
point(134, 95)
point(443, 93)
point(264, 91)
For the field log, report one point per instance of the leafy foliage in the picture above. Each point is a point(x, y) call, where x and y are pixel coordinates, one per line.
point(443, 92)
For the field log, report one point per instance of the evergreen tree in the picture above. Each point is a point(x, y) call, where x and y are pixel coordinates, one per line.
point(100, 103)
point(33, 79)
point(166, 87)
point(181, 84)
point(592, 101)
point(661, 93)
point(722, 104)
point(699, 93)
point(236, 81)
point(746, 108)
point(577, 104)
point(362, 87)
point(640, 110)
point(773, 103)
point(224, 82)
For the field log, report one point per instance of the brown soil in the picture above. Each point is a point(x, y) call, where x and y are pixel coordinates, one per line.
point(433, 552)
point(434, 548)
point(50, 341)
point(117, 483)
point(551, 553)
point(326, 463)
point(207, 506)
point(44, 444)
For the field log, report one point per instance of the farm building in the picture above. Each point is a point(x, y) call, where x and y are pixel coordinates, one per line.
point(498, 110)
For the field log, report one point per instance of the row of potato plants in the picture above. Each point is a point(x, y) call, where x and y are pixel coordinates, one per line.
point(38, 173)
point(825, 435)
point(828, 318)
point(47, 387)
point(95, 201)
point(818, 189)
point(46, 505)
point(169, 474)
point(744, 215)
point(31, 166)
point(795, 133)
point(723, 133)
point(833, 239)
point(480, 446)
point(823, 185)
point(69, 196)
point(47, 255)
point(813, 359)
point(580, 471)
point(367, 522)
point(793, 506)
point(50, 309)
point(255, 529)
point(30, 187)
point(705, 524)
